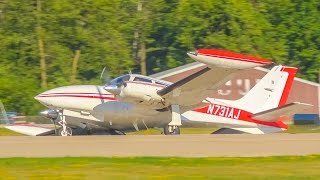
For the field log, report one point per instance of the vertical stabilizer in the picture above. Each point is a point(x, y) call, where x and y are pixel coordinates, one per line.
point(270, 92)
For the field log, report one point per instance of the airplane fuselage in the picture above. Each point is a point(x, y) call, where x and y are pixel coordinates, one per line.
point(92, 105)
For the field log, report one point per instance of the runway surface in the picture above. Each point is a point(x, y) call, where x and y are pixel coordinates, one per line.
point(161, 145)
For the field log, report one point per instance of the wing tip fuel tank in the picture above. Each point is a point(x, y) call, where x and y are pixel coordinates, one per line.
point(226, 59)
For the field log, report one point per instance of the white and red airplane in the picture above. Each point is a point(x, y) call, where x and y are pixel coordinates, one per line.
point(134, 102)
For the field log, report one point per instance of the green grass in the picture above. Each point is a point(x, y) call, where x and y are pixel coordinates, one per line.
point(287, 167)
point(293, 129)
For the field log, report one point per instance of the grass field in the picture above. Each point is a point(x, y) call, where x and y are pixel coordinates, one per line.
point(289, 167)
point(303, 129)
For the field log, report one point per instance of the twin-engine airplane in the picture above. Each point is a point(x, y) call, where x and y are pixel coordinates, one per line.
point(134, 102)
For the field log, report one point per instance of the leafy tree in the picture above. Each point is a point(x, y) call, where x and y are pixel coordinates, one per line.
point(56, 44)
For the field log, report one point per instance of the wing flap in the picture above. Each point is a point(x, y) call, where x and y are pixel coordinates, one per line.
point(272, 115)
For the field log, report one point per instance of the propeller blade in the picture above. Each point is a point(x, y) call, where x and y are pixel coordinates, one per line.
point(105, 75)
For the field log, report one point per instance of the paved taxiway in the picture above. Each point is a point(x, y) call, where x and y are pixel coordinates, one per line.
point(161, 145)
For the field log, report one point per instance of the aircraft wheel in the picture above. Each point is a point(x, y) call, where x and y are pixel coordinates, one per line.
point(171, 130)
point(116, 132)
point(67, 132)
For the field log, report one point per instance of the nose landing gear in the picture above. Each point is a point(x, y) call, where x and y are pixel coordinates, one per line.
point(57, 117)
point(64, 130)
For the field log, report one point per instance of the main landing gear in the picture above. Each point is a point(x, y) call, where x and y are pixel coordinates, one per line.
point(116, 132)
point(173, 128)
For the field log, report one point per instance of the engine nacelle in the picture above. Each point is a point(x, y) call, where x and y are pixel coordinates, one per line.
point(141, 92)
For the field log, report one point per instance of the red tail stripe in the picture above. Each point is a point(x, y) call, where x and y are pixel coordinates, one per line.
point(292, 72)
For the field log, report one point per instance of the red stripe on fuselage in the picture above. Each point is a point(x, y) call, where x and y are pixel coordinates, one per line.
point(78, 96)
point(74, 93)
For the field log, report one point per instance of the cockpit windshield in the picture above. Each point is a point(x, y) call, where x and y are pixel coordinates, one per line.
point(119, 80)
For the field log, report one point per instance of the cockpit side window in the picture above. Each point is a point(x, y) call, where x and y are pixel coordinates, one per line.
point(142, 79)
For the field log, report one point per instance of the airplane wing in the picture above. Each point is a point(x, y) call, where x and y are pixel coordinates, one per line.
point(30, 130)
point(192, 90)
point(222, 65)
point(286, 110)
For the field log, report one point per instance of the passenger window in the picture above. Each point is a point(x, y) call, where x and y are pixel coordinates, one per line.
point(142, 79)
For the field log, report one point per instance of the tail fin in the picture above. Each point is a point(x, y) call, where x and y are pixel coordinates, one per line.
point(270, 92)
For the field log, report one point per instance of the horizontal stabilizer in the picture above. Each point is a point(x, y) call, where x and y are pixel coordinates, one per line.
point(286, 110)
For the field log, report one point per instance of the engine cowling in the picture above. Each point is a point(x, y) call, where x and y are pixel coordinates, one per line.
point(139, 92)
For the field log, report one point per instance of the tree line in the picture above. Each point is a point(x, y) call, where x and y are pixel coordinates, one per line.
point(50, 43)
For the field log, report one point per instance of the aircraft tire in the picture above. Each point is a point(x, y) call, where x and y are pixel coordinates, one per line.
point(116, 132)
point(61, 133)
point(176, 131)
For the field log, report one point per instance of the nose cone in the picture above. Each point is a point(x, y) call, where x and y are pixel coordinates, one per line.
point(43, 98)
point(39, 97)
point(113, 89)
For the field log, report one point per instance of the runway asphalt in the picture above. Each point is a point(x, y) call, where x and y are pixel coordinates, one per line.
point(161, 145)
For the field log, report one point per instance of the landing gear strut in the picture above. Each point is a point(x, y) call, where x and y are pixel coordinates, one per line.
point(171, 130)
point(173, 127)
point(64, 130)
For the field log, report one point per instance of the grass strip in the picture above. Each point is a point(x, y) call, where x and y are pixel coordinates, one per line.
point(280, 167)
